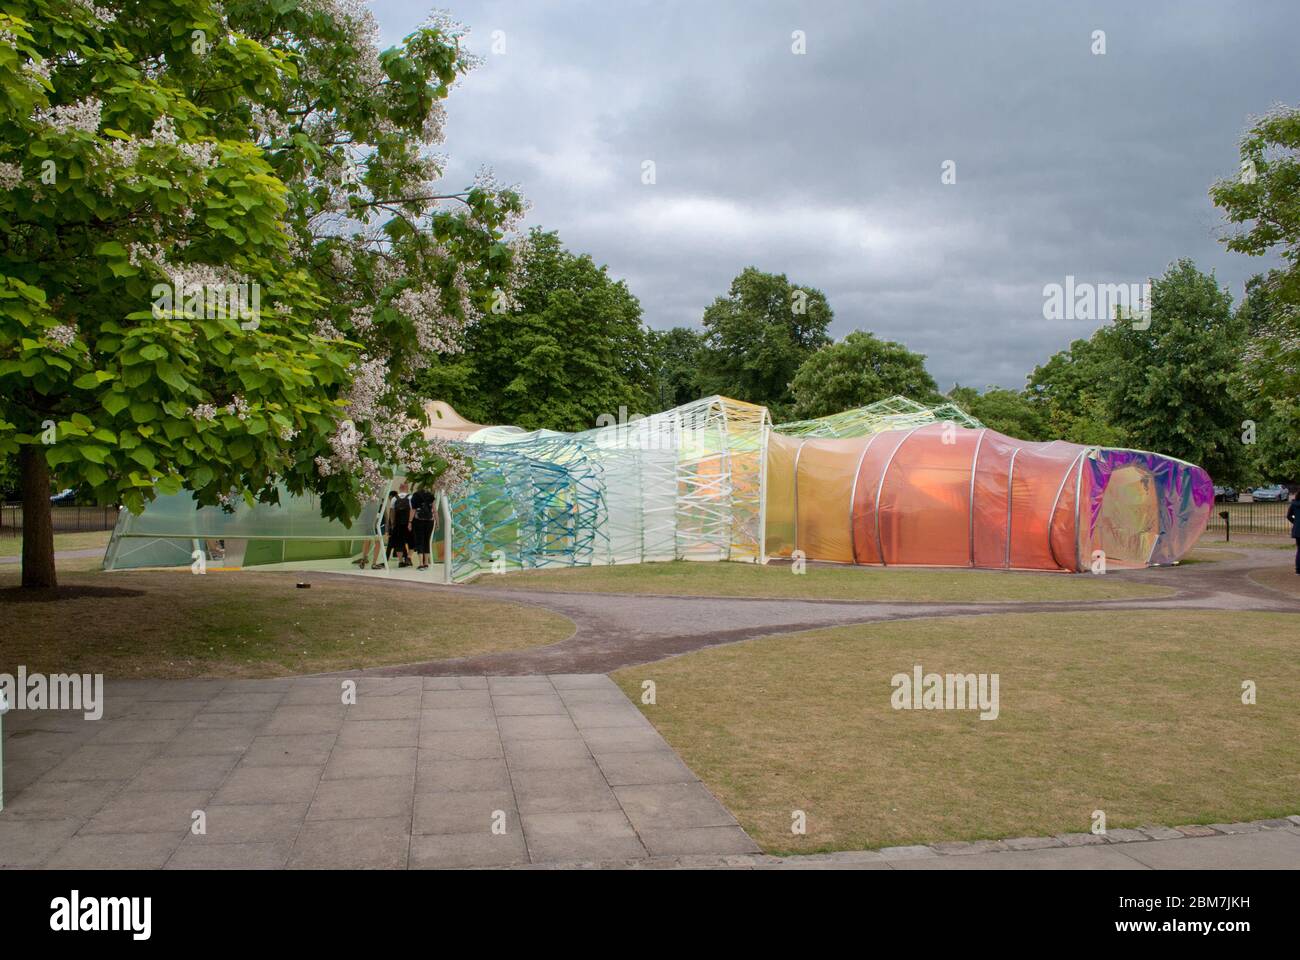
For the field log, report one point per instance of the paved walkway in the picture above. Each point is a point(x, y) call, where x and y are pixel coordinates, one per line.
point(530, 758)
point(622, 630)
point(551, 771)
point(1276, 848)
point(418, 773)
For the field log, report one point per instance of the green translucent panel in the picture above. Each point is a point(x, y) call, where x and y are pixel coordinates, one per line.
point(687, 482)
point(164, 534)
point(892, 413)
point(296, 517)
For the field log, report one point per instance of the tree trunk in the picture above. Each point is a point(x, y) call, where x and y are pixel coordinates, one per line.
point(38, 523)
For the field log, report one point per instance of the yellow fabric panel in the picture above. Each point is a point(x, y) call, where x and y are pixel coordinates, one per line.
point(780, 494)
point(826, 471)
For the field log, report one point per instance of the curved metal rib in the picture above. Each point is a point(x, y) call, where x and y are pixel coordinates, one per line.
point(853, 495)
point(1011, 469)
point(974, 463)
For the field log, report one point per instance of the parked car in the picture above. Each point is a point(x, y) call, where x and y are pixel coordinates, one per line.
point(1225, 494)
point(1272, 492)
point(64, 497)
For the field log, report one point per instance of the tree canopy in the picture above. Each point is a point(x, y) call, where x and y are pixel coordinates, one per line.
point(676, 357)
point(858, 370)
point(1168, 386)
point(1069, 392)
point(1265, 199)
point(1007, 411)
point(159, 157)
point(572, 348)
point(758, 335)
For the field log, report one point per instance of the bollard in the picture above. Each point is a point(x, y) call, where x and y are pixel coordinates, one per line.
point(1227, 526)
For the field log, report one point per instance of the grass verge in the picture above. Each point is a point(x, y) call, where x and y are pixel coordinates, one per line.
point(1138, 714)
point(824, 582)
point(175, 624)
point(13, 546)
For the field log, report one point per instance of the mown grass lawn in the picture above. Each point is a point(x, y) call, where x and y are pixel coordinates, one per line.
point(248, 624)
point(13, 546)
point(1138, 714)
point(824, 582)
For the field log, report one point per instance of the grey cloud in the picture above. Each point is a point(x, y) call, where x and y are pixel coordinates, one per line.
point(826, 166)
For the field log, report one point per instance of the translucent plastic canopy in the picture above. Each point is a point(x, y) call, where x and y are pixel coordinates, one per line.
point(942, 495)
point(892, 483)
point(169, 529)
point(683, 484)
point(889, 414)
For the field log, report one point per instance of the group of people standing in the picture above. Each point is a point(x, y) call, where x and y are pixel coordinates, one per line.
point(405, 529)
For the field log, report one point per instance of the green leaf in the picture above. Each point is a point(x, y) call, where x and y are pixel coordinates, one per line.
point(171, 376)
point(145, 457)
point(169, 485)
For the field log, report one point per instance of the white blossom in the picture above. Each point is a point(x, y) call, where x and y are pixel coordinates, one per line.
point(11, 175)
point(363, 318)
point(64, 334)
point(38, 70)
point(83, 115)
point(432, 130)
point(437, 330)
point(102, 14)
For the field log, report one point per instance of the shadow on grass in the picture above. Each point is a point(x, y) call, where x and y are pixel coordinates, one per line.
point(76, 592)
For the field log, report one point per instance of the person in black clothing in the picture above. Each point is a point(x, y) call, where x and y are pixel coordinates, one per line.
point(1293, 515)
point(422, 525)
point(399, 525)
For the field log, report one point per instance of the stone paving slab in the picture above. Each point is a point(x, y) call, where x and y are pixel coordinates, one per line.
point(446, 772)
point(417, 773)
point(1272, 850)
point(1220, 852)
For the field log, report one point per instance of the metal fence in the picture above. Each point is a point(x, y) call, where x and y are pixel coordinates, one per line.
point(67, 519)
point(1267, 518)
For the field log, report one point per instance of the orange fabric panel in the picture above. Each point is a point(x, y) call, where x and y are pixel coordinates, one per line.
point(921, 512)
point(825, 485)
point(1039, 470)
point(780, 494)
point(990, 526)
point(878, 453)
point(1064, 550)
point(925, 500)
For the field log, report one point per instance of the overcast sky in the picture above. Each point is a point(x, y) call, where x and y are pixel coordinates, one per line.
point(827, 166)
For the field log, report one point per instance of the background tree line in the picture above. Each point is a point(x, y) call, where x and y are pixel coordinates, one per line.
point(1207, 380)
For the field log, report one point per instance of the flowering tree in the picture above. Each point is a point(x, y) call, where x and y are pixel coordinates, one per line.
point(225, 251)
